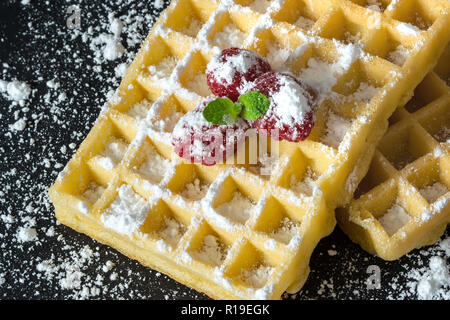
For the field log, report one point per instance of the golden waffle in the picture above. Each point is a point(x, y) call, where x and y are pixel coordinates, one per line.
point(404, 200)
point(126, 188)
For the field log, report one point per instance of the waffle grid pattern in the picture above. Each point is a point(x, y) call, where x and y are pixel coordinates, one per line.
point(165, 81)
point(412, 156)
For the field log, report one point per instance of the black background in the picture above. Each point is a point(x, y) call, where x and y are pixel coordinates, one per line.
point(46, 50)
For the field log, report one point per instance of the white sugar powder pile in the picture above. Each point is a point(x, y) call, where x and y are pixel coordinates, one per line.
point(93, 192)
point(163, 69)
point(172, 231)
point(127, 213)
point(374, 5)
point(435, 281)
point(155, 167)
point(286, 230)
point(258, 276)
point(26, 234)
point(294, 100)
point(399, 55)
point(277, 57)
point(238, 209)
point(260, 5)
point(230, 36)
point(304, 23)
point(306, 185)
point(433, 192)
point(199, 85)
point(195, 190)
point(337, 128)
point(168, 123)
point(15, 90)
point(193, 28)
point(213, 251)
point(365, 92)
point(139, 110)
point(394, 218)
point(112, 154)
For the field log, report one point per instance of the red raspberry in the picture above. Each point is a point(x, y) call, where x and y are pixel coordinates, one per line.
point(200, 141)
point(229, 72)
point(291, 113)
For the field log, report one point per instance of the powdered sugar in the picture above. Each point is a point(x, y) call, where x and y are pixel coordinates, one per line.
point(260, 5)
point(163, 69)
point(257, 276)
point(15, 90)
point(432, 192)
point(112, 154)
point(394, 218)
point(155, 167)
point(199, 85)
point(139, 110)
point(127, 213)
point(93, 192)
point(286, 231)
point(213, 251)
point(399, 55)
point(306, 185)
point(337, 128)
point(195, 190)
point(294, 100)
point(172, 231)
point(304, 23)
point(230, 36)
point(435, 282)
point(193, 28)
point(26, 234)
point(238, 209)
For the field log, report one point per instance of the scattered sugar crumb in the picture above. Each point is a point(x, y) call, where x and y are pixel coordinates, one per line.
point(26, 234)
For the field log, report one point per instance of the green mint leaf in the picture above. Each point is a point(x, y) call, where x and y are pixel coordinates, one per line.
point(221, 111)
point(254, 105)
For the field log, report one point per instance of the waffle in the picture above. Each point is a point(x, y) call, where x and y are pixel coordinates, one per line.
point(404, 201)
point(230, 230)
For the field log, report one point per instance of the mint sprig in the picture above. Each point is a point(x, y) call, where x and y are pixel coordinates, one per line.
point(250, 106)
point(254, 105)
point(222, 111)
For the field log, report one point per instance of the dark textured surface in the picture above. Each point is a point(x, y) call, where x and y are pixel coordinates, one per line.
point(44, 50)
